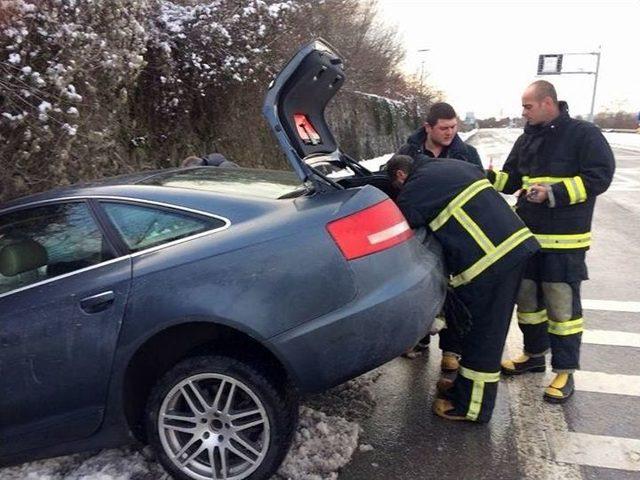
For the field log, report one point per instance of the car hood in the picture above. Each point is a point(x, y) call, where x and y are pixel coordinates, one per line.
point(296, 100)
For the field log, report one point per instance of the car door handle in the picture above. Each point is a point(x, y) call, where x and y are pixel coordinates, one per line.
point(97, 303)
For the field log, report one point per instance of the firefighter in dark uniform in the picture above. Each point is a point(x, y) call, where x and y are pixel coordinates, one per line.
point(438, 138)
point(558, 167)
point(485, 247)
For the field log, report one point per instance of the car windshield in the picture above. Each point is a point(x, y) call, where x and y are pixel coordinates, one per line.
point(238, 181)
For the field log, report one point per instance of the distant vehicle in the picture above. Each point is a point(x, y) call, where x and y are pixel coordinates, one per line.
point(190, 308)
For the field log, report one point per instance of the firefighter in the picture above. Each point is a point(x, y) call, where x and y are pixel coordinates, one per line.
point(485, 247)
point(558, 167)
point(438, 138)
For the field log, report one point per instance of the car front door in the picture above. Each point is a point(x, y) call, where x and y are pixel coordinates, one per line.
point(63, 292)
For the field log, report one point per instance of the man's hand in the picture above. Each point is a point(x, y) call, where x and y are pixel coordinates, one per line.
point(537, 193)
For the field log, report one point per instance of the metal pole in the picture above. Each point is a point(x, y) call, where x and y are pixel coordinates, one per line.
point(595, 85)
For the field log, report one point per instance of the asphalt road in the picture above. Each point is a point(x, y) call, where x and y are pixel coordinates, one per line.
point(595, 436)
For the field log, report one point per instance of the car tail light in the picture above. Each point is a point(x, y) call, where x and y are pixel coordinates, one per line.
point(370, 230)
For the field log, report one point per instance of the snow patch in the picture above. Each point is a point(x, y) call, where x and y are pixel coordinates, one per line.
point(322, 445)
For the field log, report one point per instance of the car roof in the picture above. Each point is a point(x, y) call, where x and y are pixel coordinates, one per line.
point(142, 186)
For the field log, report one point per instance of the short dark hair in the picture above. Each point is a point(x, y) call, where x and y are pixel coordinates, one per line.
point(399, 162)
point(544, 89)
point(440, 111)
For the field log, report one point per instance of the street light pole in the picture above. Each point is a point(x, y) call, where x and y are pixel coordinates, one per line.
point(422, 50)
point(595, 84)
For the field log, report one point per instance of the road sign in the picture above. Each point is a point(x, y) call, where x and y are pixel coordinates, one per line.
point(550, 64)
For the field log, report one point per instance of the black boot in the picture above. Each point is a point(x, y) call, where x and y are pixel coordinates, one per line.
point(523, 364)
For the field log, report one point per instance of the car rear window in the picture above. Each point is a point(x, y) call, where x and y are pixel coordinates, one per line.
point(238, 181)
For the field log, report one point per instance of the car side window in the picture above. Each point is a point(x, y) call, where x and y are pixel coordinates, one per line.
point(145, 227)
point(44, 242)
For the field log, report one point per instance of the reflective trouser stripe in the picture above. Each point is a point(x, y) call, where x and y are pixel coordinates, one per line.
point(576, 190)
point(569, 327)
point(457, 203)
point(501, 180)
point(474, 230)
point(477, 391)
point(532, 318)
point(491, 257)
point(579, 240)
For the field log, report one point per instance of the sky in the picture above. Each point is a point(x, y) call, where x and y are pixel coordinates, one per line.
point(482, 54)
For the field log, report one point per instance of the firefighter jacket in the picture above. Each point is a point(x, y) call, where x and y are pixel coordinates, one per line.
point(575, 160)
point(479, 232)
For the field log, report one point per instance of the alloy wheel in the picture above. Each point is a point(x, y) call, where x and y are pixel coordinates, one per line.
point(214, 427)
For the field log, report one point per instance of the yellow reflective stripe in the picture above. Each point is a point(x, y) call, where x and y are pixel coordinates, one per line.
point(528, 181)
point(532, 318)
point(474, 230)
point(477, 392)
point(581, 189)
point(460, 199)
point(479, 376)
point(500, 181)
point(570, 327)
point(575, 189)
point(490, 258)
point(578, 240)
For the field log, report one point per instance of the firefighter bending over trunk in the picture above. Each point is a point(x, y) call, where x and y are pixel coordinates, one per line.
point(558, 166)
point(485, 246)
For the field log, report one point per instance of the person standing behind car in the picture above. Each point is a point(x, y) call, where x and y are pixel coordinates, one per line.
point(485, 247)
point(210, 160)
point(559, 165)
point(438, 138)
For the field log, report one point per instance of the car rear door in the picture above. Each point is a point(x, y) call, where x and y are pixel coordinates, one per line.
point(63, 292)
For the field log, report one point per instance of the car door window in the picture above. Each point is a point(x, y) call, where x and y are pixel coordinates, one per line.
point(44, 242)
point(144, 227)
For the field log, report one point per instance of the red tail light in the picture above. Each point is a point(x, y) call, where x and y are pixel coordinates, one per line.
point(370, 230)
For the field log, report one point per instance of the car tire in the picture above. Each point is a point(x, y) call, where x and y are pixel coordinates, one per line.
point(222, 412)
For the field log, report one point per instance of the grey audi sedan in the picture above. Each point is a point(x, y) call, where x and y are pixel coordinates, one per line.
point(191, 308)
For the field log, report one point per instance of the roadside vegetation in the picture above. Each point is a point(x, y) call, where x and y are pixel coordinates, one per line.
point(94, 88)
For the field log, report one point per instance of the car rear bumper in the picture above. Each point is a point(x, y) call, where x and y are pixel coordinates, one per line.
point(384, 320)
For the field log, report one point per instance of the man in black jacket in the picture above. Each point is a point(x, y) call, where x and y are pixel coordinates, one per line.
point(438, 138)
point(558, 166)
point(485, 247)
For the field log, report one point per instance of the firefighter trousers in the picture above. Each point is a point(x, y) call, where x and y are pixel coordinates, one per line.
point(490, 300)
point(550, 316)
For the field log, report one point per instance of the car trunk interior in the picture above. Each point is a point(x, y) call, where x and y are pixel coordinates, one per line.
point(377, 180)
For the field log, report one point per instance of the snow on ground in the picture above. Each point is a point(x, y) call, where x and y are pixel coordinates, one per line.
point(326, 439)
point(623, 140)
point(493, 149)
point(374, 164)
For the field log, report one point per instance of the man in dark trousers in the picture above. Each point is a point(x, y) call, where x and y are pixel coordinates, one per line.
point(485, 247)
point(559, 165)
point(438, 138)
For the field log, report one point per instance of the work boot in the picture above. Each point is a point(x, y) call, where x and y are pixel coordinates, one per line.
point(561, 389)
point(523, 364)
point(449, 363)
point(445, 409)
point(443, 386)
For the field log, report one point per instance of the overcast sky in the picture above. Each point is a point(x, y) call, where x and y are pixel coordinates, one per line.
point(482, 54)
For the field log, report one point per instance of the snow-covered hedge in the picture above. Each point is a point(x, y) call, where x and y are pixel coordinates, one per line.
point(73, 74)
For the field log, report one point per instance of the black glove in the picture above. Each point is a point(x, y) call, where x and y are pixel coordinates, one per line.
point(456, 313)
